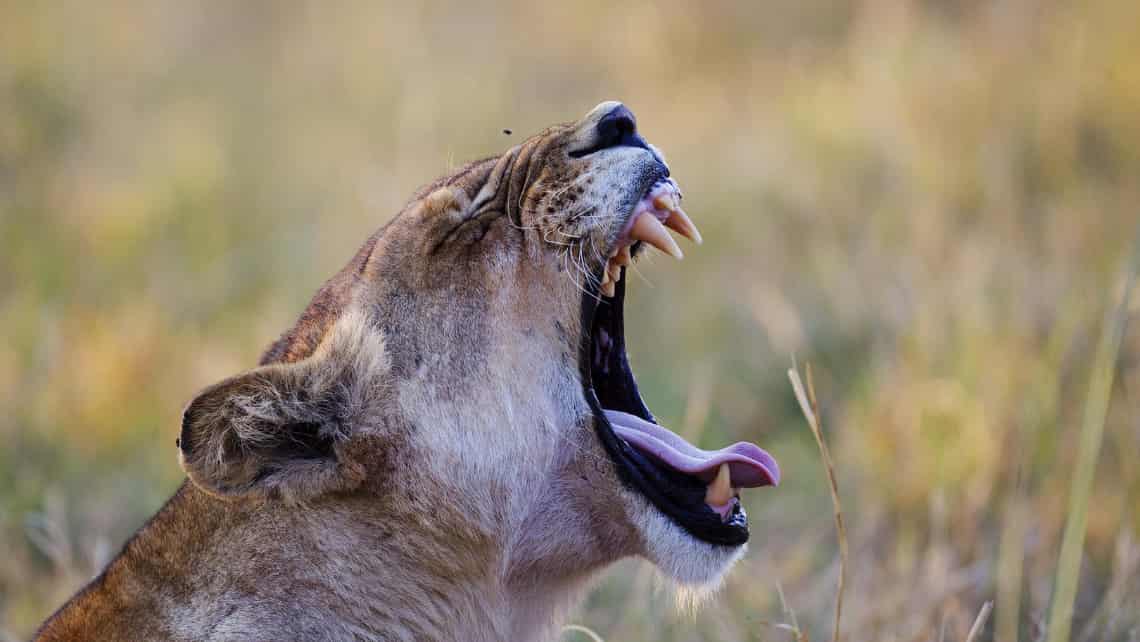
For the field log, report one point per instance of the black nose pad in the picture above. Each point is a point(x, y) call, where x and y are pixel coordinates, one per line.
point(618, 128)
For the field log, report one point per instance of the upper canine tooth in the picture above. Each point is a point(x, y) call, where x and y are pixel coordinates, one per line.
point(608, 287)
point(719, 491)
point(647, 228)
point(683, 225)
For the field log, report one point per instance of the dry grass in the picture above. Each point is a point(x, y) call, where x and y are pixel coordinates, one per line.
point(1092, 434)
point(810, 407)
point(980, 622)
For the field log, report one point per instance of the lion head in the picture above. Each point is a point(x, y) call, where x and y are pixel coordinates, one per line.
point(467, 370)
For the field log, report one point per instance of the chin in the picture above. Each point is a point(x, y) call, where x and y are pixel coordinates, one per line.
point(688, 561)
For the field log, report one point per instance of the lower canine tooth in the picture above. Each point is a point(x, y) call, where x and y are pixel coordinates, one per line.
point(719, 491)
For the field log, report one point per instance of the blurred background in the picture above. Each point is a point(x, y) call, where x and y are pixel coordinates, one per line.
point(930, 201)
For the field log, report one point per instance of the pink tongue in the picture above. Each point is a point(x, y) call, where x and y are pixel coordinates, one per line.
point(748, 464)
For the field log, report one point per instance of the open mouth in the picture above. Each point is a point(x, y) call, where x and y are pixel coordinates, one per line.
point(698, 489)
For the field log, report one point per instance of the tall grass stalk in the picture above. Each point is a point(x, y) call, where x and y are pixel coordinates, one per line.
point(980, 622)
point(1092, 433)
point(810, 409)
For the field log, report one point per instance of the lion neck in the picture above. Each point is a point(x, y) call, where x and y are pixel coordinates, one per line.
point(360, 567)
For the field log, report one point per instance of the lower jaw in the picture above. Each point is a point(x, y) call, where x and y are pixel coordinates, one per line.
point(679, 497)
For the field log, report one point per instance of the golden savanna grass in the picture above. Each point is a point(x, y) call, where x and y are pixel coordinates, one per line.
point(931, 202)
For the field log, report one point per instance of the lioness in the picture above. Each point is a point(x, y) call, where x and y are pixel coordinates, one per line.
point(449, 444)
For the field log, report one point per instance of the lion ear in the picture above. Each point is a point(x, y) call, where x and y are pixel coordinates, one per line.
point(282, 430)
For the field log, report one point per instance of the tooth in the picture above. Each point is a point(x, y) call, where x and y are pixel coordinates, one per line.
point(623, 258)
point(614, 271)
point(719, 491)
point(647, 228)
point(666, 202)
point(683, 225)
point(607, 285)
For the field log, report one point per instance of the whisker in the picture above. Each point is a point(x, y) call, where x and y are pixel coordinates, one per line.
point(583, 211)
point(640, 275)
point(570, 276)
point(546, 237)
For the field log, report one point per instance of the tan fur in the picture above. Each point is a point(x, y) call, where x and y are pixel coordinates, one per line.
point(415, 459)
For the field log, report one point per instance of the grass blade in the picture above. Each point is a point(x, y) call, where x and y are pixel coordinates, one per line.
point(980, 622)
point(810, 409)
point(1092, 432)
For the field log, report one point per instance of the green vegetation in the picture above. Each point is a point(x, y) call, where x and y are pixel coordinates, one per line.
point(930, 202)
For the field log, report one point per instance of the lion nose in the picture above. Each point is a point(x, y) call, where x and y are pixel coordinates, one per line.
point(618, 128)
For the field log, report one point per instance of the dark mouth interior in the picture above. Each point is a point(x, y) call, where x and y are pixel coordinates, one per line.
point(610, 384)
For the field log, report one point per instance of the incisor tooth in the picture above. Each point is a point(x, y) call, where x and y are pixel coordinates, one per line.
point(623, 258)
point(665, 202)
point(614, 271)
point(647, 228)
point(683, 225)
point(719, 491)
point(607, 284)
